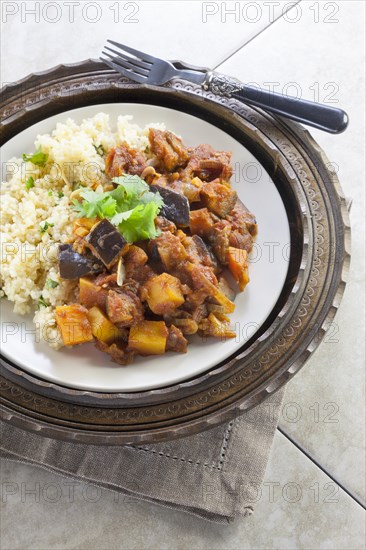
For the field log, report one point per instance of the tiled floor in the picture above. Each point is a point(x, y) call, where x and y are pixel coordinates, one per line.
point(319, 47)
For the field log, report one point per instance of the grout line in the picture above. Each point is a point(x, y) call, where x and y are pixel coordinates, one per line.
point(255, 36)
point(317, 463)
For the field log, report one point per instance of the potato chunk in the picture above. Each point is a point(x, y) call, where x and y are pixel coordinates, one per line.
point(148, 337)
point(92, 294)
point(238, 266)
point(163, 293)
point(74, 324)
point(102, 328)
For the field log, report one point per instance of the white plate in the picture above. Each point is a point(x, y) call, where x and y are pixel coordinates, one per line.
point(86, 368)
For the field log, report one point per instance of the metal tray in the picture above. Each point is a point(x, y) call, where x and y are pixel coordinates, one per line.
point(319, 261)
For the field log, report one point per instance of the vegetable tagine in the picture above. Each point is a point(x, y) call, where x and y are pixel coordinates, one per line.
point(159, 254)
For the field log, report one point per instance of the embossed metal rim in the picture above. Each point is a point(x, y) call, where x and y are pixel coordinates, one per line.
point(301, 168)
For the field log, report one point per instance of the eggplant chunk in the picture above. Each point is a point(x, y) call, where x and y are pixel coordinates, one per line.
point(176, 205)
point(106, 243)
point(73, 265)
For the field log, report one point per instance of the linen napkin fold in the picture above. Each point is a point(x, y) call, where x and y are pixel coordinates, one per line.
point(215, 474)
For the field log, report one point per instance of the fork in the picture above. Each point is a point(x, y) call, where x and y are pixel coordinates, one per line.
point(147, 69)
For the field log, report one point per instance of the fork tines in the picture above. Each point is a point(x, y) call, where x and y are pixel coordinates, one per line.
point(136, 66)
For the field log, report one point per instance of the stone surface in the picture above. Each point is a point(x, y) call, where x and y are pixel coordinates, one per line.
point(299, 507)
point(323, 58)
point(201, 33)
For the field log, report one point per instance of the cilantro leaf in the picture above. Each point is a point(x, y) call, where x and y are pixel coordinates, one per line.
point(99, 149)
point(50, 283)
point(29, 183)
point(149, 196)
point(42, 302)
point(131, 207)
point(95, 205)
point(45, 226)
point(133, 185)
point(119, 195)
point(138, 224)
point(38, 158)
point(121, 216)
point(132, 190)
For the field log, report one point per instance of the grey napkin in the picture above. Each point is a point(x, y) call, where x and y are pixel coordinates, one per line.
point(216, 474)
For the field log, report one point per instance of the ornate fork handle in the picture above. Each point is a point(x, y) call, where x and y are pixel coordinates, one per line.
point(222, 85)
point(316, 115)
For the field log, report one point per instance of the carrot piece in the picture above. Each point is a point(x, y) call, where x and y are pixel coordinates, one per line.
point(238, 266)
